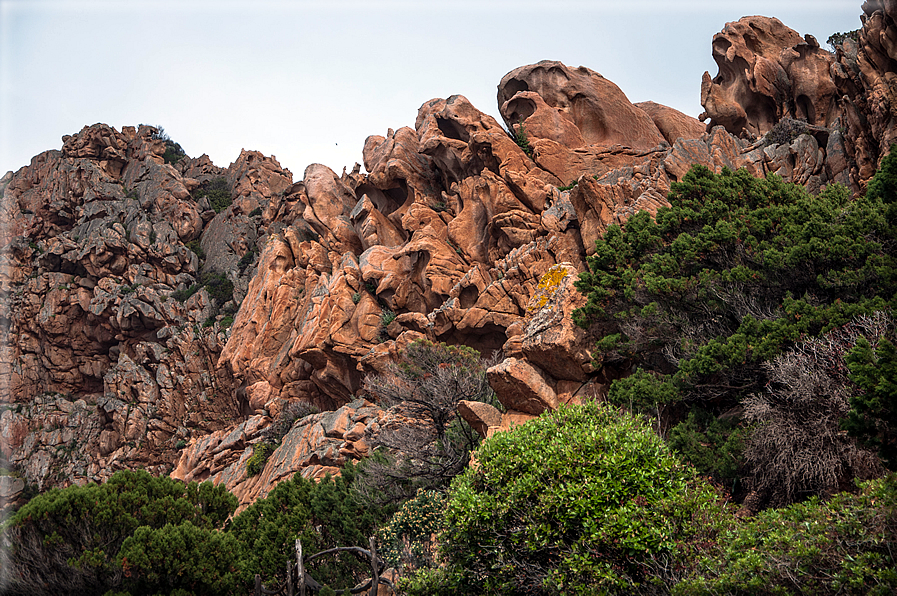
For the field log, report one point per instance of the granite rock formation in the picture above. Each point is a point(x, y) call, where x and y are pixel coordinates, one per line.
point(145, 328)
point(768, 73)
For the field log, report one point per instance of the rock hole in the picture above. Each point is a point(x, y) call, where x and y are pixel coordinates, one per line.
point(398, 195)
point(452, 130)
point(469, 296)
point(520, 109)
point(384, 202)
point(805, 109)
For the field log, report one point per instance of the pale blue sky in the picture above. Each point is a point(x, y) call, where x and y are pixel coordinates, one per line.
point(309, 81)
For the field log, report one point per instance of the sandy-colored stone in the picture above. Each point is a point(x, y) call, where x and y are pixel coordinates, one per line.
point(519, 385)
point(481, 416)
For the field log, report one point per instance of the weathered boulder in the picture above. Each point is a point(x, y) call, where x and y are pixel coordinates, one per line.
point(767, 71)
point(550, 338)
point(571, 100)
point(481, 416)
point(672, 123)
point(521, 386)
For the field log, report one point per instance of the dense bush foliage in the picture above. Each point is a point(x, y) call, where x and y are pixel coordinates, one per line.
point(846, 545)
point(408, 540)
point(198, 560)
point(737, 271)
point(583, 500)
point(714, 446)
point(219, 287)
point(68, 540)
point(873, 417)
point(323, 514)
point(260, 454)
point(141, 535)
point(217, 192)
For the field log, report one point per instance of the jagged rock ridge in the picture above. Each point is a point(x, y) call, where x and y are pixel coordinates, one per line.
point(457, 233)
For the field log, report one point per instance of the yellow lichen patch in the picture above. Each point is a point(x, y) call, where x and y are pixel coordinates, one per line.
point(548, 283)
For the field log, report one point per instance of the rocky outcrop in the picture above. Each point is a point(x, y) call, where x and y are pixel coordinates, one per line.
point(769, 75)
point(316, 445)
point(573, 107)
point(152, 326)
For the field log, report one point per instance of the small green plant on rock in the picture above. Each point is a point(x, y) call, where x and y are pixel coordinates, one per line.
point(173, 151)
point(387, 317)
point(247, 259)
point(518, 133)
point(218, 193)
point(836, 39)
point(195, 246)
point(260, 454)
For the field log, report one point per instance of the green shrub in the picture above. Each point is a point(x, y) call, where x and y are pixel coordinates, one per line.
point(438, 581)
point(183, 295)
point(583, 500)
point(643, 392)
point(836, 39)
point(218, 193)
point(226, 322)
point(255, 212)
point(736, 271)
point(387, 317)
point(260, 453)
point(356, 298)
point(323, 514)
point(713, 446)
point(196, 247)
point(219, 287)
point(873, 414)
point(518, 133)
point(67, 541)
point(173, 151)
point(200, 561)
point(247, 259)
point(408, 541)
point(846, 545)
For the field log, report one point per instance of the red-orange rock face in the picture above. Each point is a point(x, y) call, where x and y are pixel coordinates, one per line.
point(573, 107)
point(458, 232)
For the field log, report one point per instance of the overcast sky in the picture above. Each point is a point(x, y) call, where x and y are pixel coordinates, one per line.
point(308, 81)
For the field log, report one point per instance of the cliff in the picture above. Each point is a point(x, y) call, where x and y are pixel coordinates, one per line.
point(145, 328)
